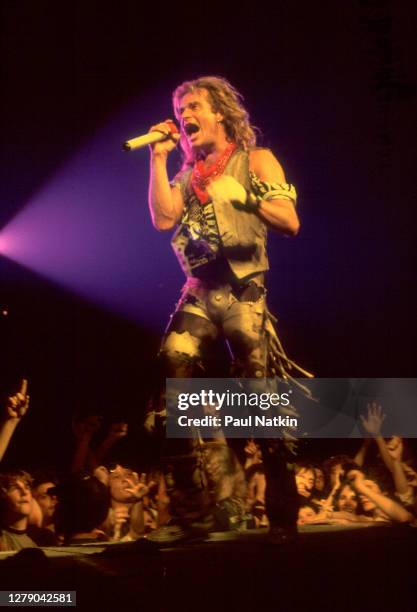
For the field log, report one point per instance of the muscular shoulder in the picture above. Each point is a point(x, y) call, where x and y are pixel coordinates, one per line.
point(266, 166)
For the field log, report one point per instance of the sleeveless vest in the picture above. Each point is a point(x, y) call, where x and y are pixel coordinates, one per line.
point(242, 233)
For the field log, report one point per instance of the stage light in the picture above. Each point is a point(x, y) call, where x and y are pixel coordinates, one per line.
point(89, 230)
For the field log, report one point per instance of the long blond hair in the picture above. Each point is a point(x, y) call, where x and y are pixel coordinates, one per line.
point(227, 101)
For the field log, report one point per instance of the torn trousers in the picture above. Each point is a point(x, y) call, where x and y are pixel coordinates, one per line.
point(207, 309)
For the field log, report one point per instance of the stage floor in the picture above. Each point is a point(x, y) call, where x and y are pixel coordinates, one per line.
point(329, 568)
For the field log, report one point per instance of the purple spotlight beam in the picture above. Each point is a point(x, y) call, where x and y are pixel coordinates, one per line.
point(89, 228)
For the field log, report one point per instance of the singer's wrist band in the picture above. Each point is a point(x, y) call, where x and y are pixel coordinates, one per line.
point(272, 191)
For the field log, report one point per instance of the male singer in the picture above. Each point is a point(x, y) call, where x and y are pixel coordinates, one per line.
point(223, 200)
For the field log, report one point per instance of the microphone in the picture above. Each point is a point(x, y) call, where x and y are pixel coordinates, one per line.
point(149, 138)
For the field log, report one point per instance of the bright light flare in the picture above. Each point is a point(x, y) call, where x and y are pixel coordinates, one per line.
point(89, 228)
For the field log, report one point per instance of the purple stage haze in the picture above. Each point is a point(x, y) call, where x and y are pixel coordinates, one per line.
point(89, 228)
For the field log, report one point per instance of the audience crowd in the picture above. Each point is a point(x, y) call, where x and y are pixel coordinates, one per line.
point(102, 501)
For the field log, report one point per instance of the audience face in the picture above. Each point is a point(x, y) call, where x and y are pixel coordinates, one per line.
point(18, 498)
point(305, 481)
point(348, 500)
point(367, 504)
point(46, 500)
point(410, 474)
point(305, 514)
point(120, 481)
point(319, 479)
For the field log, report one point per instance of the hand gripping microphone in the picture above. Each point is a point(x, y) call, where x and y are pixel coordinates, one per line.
point(149, 138)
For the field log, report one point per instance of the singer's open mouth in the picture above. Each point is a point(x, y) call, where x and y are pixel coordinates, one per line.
point(191, 128)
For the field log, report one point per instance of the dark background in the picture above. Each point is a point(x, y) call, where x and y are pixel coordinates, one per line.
point(331, 85)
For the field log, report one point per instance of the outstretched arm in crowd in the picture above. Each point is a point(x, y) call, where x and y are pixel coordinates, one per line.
point(328, 503)
point(390, 508)
point(162, 501)
point(129, 512)
point(139, 489)
point(83, 430)
point(392, 458)
point(85, 457)
point(16, 408)
point(117, 431)
point(404, 490)
point(360, 456)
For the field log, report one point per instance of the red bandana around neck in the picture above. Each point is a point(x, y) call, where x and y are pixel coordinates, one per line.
point(202, 176)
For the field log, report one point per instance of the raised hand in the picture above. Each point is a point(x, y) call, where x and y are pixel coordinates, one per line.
point(169, 128)
point(251, 448)
point(120, 518)
point(355, 478)
point(17, 405)
point(86, 427)
point(117, 431)
point(395, 448)
point(138, 486)
point(102, 474)
point(373, 422)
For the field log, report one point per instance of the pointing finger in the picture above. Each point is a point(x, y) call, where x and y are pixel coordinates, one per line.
point(24, 387)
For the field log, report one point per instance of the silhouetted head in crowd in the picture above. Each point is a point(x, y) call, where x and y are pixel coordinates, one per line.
point(83, 506)
point(43, 490)
point(336, 467)
point(319, 480)
point(223, 471)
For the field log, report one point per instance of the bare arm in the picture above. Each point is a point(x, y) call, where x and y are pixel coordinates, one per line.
point(328, 503)
point(16, 407)
point(359, 458)
point(83, 457)
point(117, 431)
point(372, 424)
point(162, 502)
point(395, 450)
point(391, 508)
point(7, 429)
point(387, 506)
point(279, 213)
point(400, 480)
point(165, 202)
point(139, 490)
point(395, 467)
